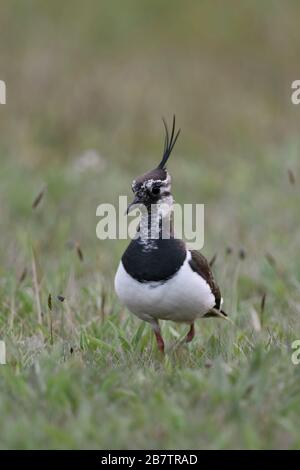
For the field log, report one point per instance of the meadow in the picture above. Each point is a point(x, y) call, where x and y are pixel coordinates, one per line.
point(86, 89)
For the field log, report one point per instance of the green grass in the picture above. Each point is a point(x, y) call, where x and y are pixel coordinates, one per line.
point(88, 375)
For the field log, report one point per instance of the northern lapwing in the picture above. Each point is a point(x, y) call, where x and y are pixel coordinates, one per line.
point(158, 277)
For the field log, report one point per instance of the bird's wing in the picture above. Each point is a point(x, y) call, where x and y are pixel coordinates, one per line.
point(200, 265)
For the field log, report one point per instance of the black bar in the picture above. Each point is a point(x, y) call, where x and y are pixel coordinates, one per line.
point(139, 458)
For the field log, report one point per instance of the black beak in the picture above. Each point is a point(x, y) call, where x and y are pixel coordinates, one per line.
point(136, 201)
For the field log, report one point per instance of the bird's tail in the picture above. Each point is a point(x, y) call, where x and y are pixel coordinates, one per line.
point(214, 312)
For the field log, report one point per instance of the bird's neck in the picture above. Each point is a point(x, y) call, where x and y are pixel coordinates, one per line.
point(157, 221)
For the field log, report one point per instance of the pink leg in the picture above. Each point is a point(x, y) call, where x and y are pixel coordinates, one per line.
point(160, 341)
point(190, 334)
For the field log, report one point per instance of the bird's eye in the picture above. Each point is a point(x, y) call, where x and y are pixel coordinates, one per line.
point(155, 190)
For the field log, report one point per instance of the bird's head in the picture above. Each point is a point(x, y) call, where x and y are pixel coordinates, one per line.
point(154, 187)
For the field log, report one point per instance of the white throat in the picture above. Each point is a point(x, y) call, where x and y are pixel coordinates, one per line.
point(156, 221)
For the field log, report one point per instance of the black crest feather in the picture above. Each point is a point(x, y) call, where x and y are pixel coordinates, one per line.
point(170, 141)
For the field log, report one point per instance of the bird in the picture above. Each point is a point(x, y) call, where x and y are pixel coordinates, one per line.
point(160, 278)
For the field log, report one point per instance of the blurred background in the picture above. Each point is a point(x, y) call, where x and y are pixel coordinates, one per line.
point(87, 86)
point(86, 90)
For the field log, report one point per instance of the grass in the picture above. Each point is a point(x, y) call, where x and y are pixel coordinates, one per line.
point(83, 372)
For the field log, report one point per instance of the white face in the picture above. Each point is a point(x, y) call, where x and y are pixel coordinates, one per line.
point(153, 190)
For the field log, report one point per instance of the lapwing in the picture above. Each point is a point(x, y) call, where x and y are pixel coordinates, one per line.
point(158, 277)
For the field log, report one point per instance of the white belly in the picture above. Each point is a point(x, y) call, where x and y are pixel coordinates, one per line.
point(182, 298)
